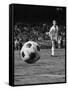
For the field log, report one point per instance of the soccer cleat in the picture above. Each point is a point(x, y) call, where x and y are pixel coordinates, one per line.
point(52, 55)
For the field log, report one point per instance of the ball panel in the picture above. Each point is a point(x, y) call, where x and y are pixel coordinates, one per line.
point(23, 54)
point(33, 58)
point(29, 45)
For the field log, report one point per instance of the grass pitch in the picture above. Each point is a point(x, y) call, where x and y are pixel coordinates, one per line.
point(46, 70)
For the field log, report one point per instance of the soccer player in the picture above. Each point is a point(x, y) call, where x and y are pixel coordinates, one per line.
point(59, 41)
point(53, 33)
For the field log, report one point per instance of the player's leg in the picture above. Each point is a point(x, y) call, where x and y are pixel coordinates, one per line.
point(53, 49)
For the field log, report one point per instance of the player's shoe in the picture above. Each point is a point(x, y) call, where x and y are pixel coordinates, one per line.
point(52, 55)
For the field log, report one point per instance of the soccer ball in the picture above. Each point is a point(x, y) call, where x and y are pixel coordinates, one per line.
point(30, 52)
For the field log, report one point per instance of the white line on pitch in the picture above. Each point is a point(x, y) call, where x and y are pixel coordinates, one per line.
point(50, 75)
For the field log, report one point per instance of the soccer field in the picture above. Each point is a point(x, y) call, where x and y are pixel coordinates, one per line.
point(46, 70)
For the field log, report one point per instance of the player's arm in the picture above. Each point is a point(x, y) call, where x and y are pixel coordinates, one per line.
point(50, 31)
point(57, 30)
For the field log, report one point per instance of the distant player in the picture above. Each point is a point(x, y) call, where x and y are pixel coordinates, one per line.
point(53, 33)
point(59, 41)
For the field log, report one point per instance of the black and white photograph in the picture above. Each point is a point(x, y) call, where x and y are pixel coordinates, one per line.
point(38, 44)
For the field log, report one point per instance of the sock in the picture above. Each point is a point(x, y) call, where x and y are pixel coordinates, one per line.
point(53, 51)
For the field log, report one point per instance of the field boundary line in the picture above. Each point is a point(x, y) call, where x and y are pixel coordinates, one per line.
point(51, 75)
point(45, 75)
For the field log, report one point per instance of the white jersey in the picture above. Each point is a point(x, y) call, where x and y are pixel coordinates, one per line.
point(53, 33)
